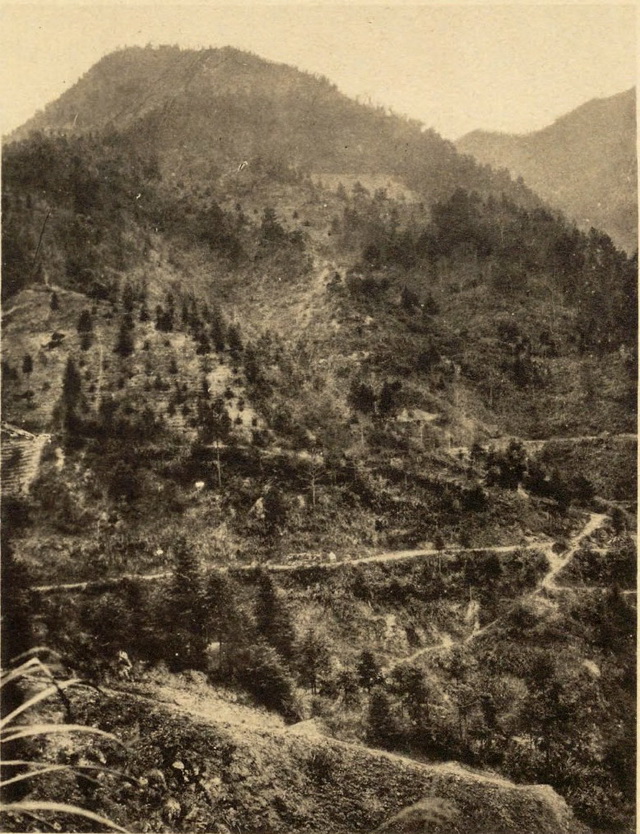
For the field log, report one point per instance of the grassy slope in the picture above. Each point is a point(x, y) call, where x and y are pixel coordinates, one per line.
point(197, 773)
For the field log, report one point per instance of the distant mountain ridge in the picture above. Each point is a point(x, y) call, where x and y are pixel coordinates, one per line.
point(585, 163)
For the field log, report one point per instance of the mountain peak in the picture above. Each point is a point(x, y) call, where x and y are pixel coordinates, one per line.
point(204, 111)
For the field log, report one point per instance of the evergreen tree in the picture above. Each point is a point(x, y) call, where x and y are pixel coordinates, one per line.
point(27, 365)
point(218, 329)
point(54, 302)
point(85, 330)
point(347, 683)
point(234, 340)
point(362, 397)
point(144, 310)
point(164, 319)
point(368, 670)
point(72, 400)
point(388, 402)
point(409, 300)
point(252, 369)
point(314, 658)
point(128, 298)
point(408, 683)
point(124, 481)
point(261, 671)
point(85, 322)
point(185, 609)
point(213, 420)
point(125, 345)
point(430, 307)
point(272, 232)
point(275, 512)
point(224, 619)
point(382, 725)
point(273, 619)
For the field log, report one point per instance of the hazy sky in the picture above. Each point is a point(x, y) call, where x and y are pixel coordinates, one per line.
point(456, 68)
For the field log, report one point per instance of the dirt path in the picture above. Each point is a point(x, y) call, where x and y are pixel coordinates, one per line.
point(202, 702)
point(97, 583)
point(559, 561)
point(396, 555)
point(556, 564)
point(445, 768)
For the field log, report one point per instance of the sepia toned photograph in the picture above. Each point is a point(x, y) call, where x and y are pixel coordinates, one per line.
point(319, 418)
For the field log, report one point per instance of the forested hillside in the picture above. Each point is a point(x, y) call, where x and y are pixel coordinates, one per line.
point(352, 413)
point(585, 164)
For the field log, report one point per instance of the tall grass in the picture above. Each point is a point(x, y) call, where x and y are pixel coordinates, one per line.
point(28, 672)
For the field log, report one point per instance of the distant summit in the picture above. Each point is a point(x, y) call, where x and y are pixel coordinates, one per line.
point(585, 163)
point(205, 113)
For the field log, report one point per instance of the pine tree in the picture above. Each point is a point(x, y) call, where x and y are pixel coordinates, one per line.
point(218, 329)
point(362, 397)
point(234, 340)
point(54, 302)
point(347, 683)
point(409, 684)
point(368, 670)
point(27, 365)
point(314, 658)
point(388, 401)
point(225, 620)
point(164, 319)
point(125, 345)
point(128, 298)
point(185, 610)
point(275, 512)
point(273, 618)
point(261, 671)
point(382, 726)
point(85, 322)
point(85, 329)
point(72, 400)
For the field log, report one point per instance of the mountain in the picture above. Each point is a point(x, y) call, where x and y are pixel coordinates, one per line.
point(308, 413)
point(208, 112)
point(585, 163)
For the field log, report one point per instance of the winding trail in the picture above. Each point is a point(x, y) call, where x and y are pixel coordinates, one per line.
point(392, 556)
point(557, 563)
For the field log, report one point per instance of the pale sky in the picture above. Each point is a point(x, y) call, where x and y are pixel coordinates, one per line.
point(455, 68)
